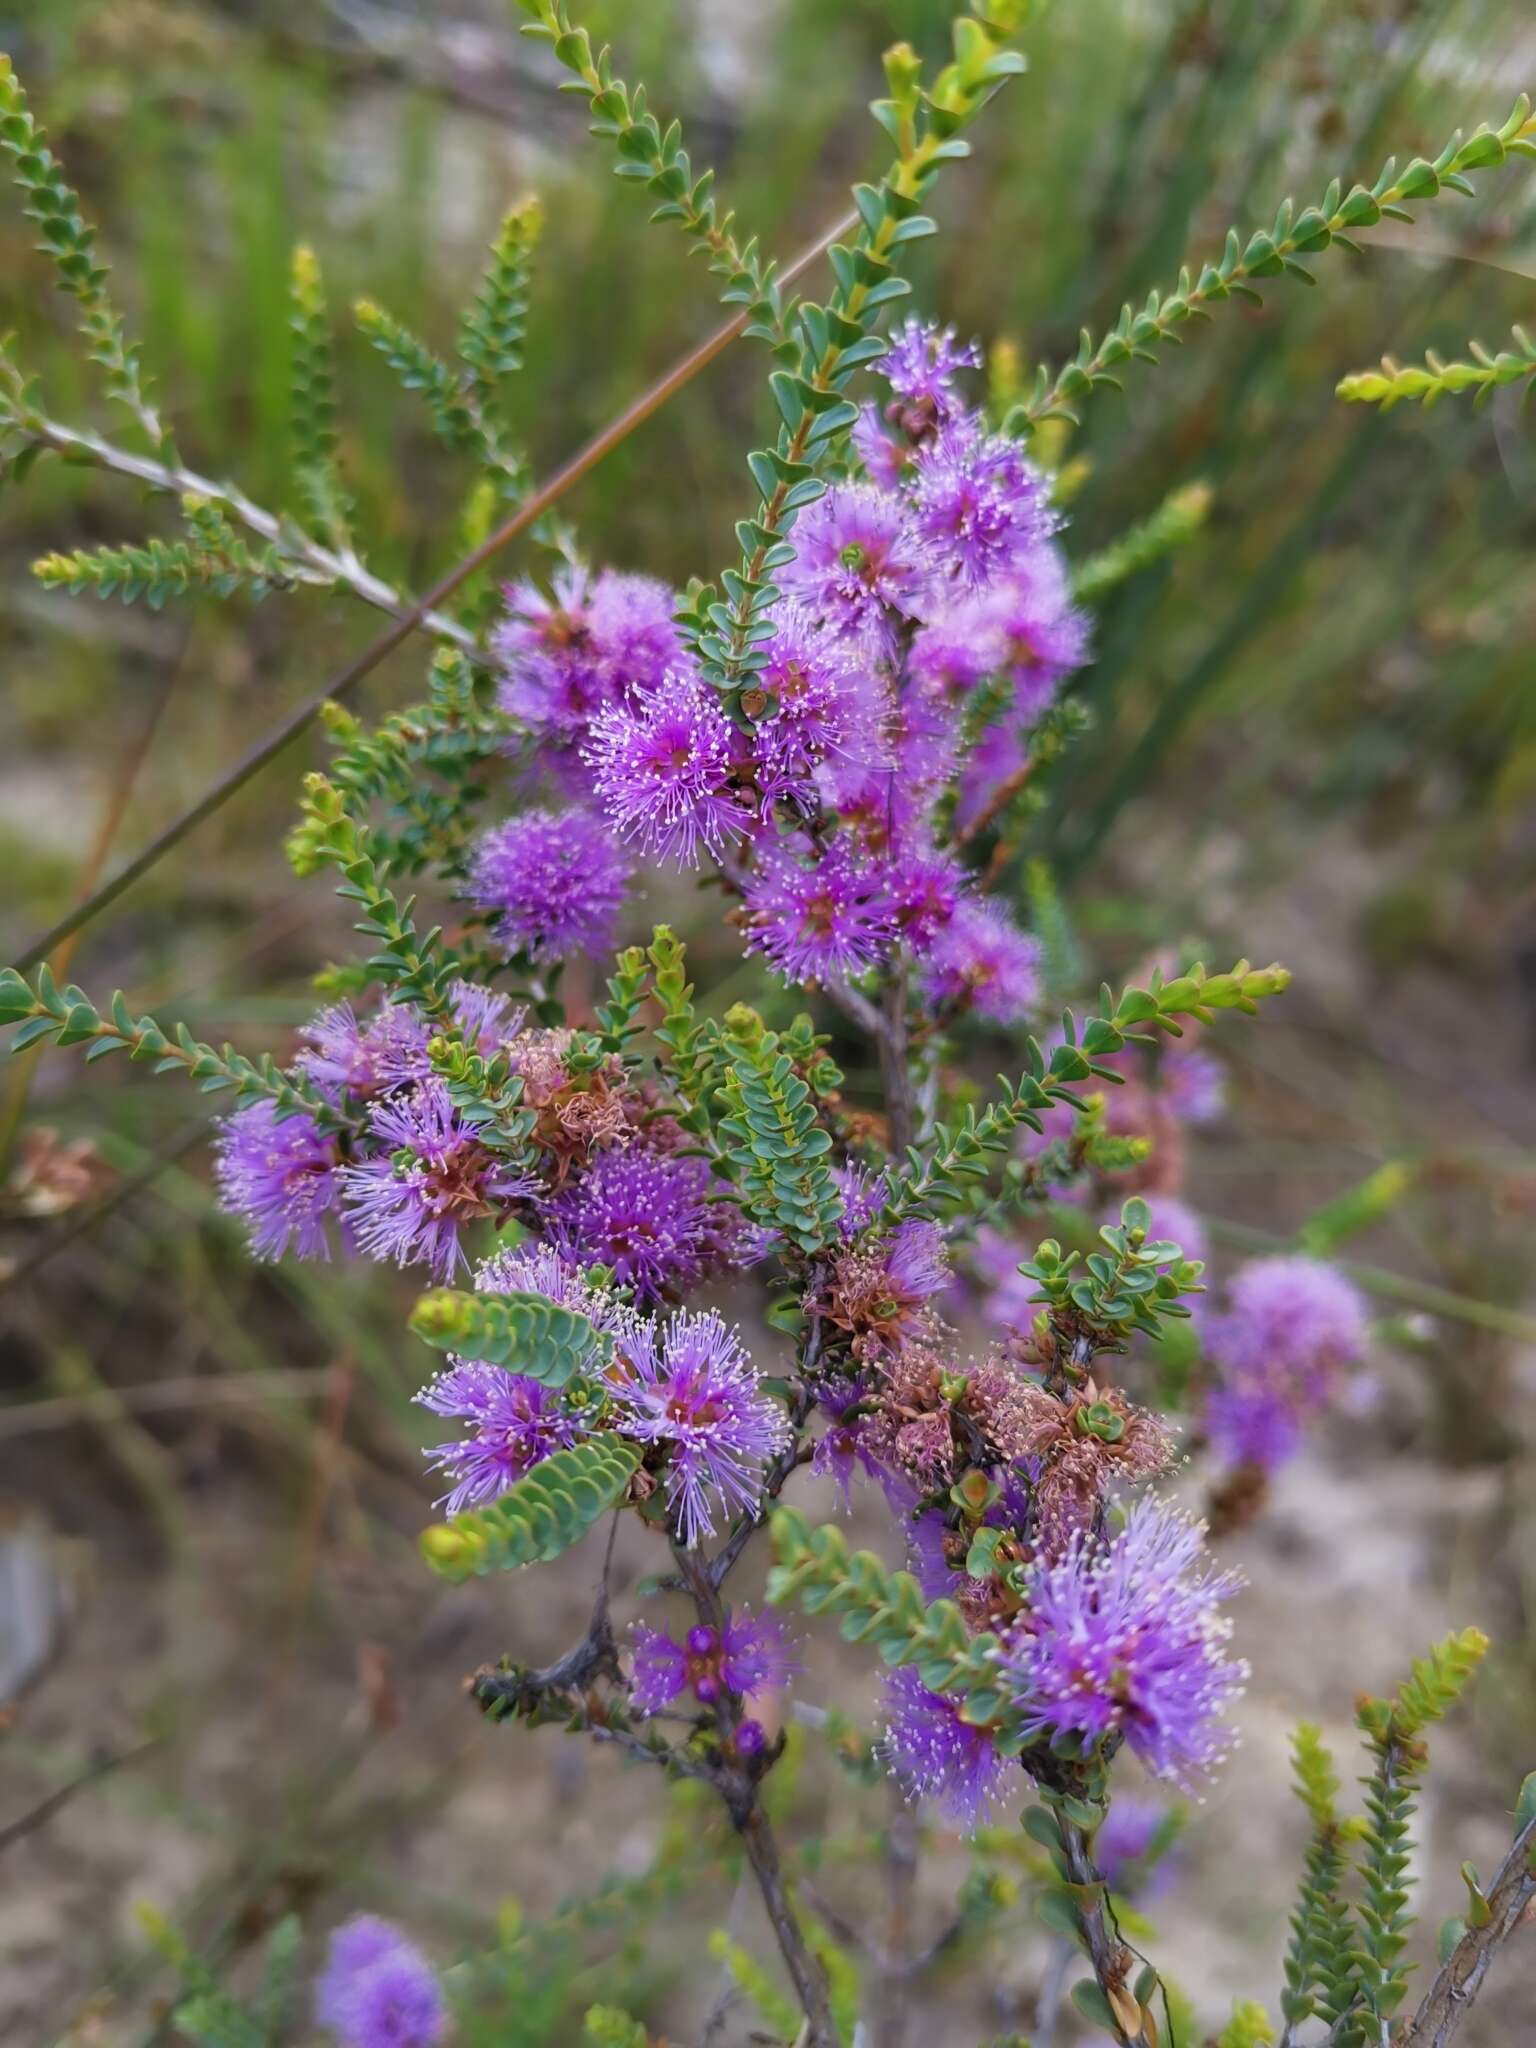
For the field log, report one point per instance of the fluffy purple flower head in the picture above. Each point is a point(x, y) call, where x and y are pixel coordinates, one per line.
point(662, 766)
point(1000, 756)
point(978, 507)
point(1293, 1320)
point(485, 1019)
point(920, 367)
point(1193, 1083)
point(555, 880)
point(924, 887)
point(539, 1269)
point(343, 1055)
point(689, 1385)
point(1250, 1423)
point(864, 1192)
point(649, 1215)
point(955, 651)
point(433, 1179)
point(378, 1990)
point(983, 962)
point(883, 459)
point(820, 923)
point(915, 1260)
point(515, 1423)
point(825, 703)
point(854, 567)
point(281, 1176)
point(1126, 1636)
point(842, 1450)
point(752, 1655)
point(1040, 636)
point(585, 645)
point(936, 1755)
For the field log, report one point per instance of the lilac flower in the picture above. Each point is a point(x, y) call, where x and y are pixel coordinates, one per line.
point(923, 887)
point(819, 923)
point(1125, 1636)
point(920, 367)
point(1041, 636)
point(1194, 1083)
point(378, 1990)
point(688, 1385)
point(554, 675)
point(978, 505)
point(824, 703)
point(555, 880)
point(999, 759)
point(539, 1269)
point(344, 1055)
point(649, 1215)
point(883, 458)
point(1008, 1299)
point(956, 650)
point(515, 1423)
point(586, 645)
point(281, 1176)
point(485, 1019)
point(936, 1755)
point(1292, 1328)
point(662, 766)
point(842, 1450)
point(752, 1655)
point(1131, 1848)
point(982, 961)
point(435, 1178)
point(854, 567)
point(864, 1194)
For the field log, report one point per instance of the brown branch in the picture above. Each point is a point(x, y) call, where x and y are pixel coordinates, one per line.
point(414, 617)
point(1109, 1955)
point(1449, 1998)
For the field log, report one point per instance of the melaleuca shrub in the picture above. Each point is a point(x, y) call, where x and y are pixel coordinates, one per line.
point(988, 1310)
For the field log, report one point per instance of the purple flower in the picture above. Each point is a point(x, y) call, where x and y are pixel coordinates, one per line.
point(864, 1192)
point(982, 961)
point(936, 1755)
point(1125, 1636)
point(378, 1990)
point(281, 1176)
point(1131, 1848)
point(539, 1269)
point(978, 506)
point(920, 367)
point(343, 1055)
point(515, 1423)
point(482, 1015)
point(688, 1385)
point(842, 1451)
point(1039, 634)
point(883, 458)
point(585, 645)
point(819, 923)
point(1292, 1328)
point(854, 567)
point(923, 887)
point(650, 1216)
point(435, 1178)
point(1194, 1083)
point(751, 1656)
point(823, 703)
point(555, 880)
point(662, 765)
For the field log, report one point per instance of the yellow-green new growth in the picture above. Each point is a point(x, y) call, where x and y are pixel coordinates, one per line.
point(1394, 383)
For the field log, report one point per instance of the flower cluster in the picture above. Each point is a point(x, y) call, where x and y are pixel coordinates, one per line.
point(377, 1989)
point(923, 630)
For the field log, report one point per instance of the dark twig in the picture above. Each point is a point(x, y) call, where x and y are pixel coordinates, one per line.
point(28, 1823)
point(1449, 1998)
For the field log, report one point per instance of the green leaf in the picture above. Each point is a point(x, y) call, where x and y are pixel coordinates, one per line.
point(548, 1510)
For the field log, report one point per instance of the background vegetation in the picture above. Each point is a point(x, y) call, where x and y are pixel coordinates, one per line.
point(1316, 734)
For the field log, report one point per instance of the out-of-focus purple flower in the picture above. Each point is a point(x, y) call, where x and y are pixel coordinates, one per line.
point(982, 961)
point(883, 458)
point(662, 765)
point(996, 1256)
point(842, 1452)
point(854, 568)
point(928, 1557)
point(824, 922)
point(281, 1176)
point(555, 880)
point(587, 644)
point(1193, 1082)
point(689, 1385)
point(433, 1179)
point(1131, 1848)
point(377, 1989)
point(999, 761)
point(1127, 1636)
point(485, 1018)
point(924, 886)
point(341, 1054)
point(955, 650)
point(515, 1423)
point(920, 367)
point(978, 506)
point(751, 1738)
point(649, 1215)
point(1041, 636)
point(864, 1194)
point(936, 1755)
point(1292, 1329)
